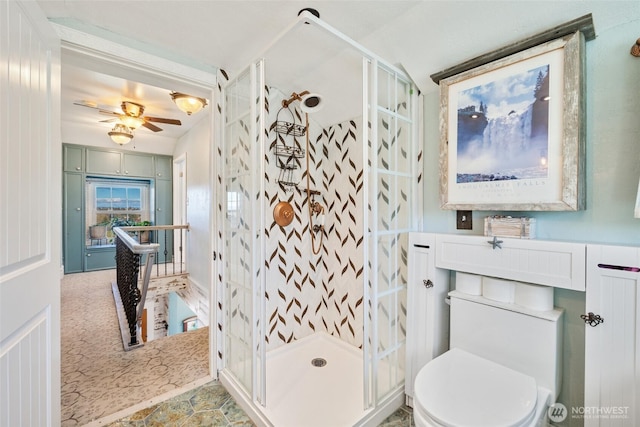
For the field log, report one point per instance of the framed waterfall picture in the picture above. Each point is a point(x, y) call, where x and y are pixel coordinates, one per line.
point(512, 131)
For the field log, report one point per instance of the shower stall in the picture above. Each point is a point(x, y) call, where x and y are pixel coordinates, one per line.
point(311, 316)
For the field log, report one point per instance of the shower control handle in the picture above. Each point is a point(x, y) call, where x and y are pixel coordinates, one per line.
point(427, 283)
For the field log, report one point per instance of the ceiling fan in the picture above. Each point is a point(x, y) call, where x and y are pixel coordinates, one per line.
point(131, 116)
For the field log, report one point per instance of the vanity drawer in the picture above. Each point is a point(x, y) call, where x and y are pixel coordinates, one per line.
point(558, 264)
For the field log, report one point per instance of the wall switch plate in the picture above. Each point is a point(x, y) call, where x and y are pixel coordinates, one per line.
point(463, 220)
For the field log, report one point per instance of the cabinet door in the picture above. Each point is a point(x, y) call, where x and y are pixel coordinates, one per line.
point(612, 348)
point(427, 311)
point(164, 166)
point(100, 259)
point(73, 223)
point(104, 162)
point(164, 216)
point(72, 158)
point(137, 165)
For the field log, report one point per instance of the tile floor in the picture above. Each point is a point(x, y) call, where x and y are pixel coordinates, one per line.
point(212, 405)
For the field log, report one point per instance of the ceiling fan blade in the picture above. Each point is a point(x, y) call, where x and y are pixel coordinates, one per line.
point(101, 111)
point(100, 108)
point(151, 126)
point(161, 120)
point(108, 121)
point(86, 104)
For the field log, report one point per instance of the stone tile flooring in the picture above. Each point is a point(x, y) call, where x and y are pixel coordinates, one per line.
point(212, 405)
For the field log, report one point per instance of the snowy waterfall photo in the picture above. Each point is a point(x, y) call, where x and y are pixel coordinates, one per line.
point(503, 128)
point(512, 134)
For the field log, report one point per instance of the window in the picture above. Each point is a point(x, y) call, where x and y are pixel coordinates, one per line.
point(112, 202)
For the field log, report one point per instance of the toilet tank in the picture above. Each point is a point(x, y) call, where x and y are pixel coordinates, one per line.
point(522, 339)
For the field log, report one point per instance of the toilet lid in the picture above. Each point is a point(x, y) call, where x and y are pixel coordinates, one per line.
point(459, 388)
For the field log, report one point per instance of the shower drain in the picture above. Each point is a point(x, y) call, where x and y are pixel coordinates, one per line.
point(318, 362)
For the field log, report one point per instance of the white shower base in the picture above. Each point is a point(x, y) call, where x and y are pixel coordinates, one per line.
point(300, 394)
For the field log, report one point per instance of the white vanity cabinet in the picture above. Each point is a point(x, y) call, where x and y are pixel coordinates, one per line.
point(427, 310)
point(612, 347)
point(544, 262)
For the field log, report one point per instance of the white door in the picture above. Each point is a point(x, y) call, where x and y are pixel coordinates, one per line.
point(612, 337)
point(30, 217)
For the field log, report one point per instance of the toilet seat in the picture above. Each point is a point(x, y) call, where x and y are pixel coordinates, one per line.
point(461, 389)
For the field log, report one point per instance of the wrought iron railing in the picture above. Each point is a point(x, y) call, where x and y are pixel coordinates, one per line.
point(170, 257)
point(160, 250)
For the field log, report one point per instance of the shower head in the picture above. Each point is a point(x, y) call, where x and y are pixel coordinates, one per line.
point(311, 102)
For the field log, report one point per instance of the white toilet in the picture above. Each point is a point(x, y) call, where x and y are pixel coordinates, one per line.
point(503, 367)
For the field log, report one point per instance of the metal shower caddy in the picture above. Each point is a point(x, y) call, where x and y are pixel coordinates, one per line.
point(287, 154)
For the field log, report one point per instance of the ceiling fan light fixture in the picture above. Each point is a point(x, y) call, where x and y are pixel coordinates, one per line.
point(121, 134)
point(188, 103)
point(132, 109)
point(132, 123)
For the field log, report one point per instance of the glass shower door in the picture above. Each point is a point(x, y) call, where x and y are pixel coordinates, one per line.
point(393, 162)
point(243, 282)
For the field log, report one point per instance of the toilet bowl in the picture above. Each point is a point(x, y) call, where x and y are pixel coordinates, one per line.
point(502, 369)
point(461, 389)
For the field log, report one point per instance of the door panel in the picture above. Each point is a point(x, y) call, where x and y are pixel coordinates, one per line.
point(104, 162)
point(30, 217)
point(392, 197)
point(243, 302)
point(137, 165)
point(100, 259)
point(164, 216)
point(612, 348)
point(74, 239)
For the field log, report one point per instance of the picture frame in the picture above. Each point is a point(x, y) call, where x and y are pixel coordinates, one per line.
point(190, 324)
point(512, 131)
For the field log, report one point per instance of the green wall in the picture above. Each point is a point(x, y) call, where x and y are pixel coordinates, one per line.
point(612, 173)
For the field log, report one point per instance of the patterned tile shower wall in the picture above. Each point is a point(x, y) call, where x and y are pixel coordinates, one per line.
point(307, 293)
point(293, 274)
point(343, 177)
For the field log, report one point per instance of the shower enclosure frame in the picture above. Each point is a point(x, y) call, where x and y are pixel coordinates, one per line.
point(256, 387)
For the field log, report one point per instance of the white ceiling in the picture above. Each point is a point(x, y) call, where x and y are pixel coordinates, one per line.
point(423, 37)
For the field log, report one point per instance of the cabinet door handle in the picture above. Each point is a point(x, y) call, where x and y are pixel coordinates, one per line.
point(159, 209)
point(592, 319)
point(78, 209)
point(126, 172)
point(159, 173)
point(117, 170)
point(88, 254)
point(427, 283)
point(78, 168)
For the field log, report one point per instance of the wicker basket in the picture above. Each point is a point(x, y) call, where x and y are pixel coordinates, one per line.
point(506, 226)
